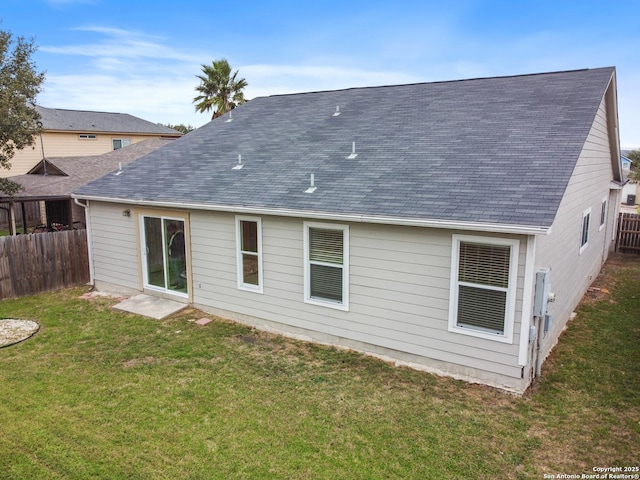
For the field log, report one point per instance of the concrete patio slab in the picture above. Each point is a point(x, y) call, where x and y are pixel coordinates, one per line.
point(154, 307)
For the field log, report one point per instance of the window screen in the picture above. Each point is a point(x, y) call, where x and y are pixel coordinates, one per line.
point(326, 262)
point(483, 281)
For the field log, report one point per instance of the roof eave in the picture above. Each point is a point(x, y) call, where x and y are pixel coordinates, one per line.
point(339, 217)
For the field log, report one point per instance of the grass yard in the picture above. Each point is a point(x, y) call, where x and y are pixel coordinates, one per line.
point(103, 394)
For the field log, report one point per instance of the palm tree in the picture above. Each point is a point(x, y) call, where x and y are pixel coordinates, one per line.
point(219, 89)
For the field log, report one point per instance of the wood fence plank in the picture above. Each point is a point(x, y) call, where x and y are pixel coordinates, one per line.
point(42, 262)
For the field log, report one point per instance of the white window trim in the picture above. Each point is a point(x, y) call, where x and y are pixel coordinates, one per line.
point(344, 305)
point(510, 307)
point(241, 285)
point(87, 136)
point(586, 213)
point(603, 218)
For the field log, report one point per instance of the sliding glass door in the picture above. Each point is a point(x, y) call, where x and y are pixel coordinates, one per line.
point(164, 254)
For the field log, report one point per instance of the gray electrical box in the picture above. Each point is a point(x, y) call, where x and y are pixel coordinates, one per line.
point(542, 292)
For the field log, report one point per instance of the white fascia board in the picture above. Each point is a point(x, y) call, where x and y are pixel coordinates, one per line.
point(336, 217)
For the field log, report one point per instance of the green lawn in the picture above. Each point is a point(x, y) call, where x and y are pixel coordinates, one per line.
point(102, 394)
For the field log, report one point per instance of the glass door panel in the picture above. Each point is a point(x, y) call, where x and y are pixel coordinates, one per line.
point(176, 255)
point(154, 251)
point(165, 254)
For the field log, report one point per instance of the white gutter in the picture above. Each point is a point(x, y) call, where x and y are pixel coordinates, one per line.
point(87, 218)
point(340, 217)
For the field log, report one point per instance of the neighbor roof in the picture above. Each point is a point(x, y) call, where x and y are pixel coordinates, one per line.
point(65, 174)
point(496, 151)
point(86, 121)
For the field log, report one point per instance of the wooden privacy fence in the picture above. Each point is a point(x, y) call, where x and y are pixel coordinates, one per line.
point(42, 262)
point(628, 235)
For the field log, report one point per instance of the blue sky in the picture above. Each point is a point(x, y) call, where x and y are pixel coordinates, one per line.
point(141, 57)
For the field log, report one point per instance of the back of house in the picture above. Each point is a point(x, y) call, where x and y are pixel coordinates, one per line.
point(428, 224)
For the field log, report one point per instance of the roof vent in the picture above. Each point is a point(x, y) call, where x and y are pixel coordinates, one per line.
point(239, 165)
point(119, 172)
point(312, 187)
point(337, 112)
point(230, 119)
point(353, 153)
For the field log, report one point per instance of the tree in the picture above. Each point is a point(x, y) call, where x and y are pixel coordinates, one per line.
point(20, 83)
point(181, 127)
point(634, 156)
point(219, 89)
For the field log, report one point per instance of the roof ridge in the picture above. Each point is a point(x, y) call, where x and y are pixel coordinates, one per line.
point(460, 80)
point(84, 111)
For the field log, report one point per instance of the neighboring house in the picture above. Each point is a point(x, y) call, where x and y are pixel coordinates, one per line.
point(630, 189)
point(51, 181)
point(76, 133)
point(423, 243)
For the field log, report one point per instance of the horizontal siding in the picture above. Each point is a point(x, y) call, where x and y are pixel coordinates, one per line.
point(399, 284)
point(573, 272)
point(399, 288)
point(114, 245)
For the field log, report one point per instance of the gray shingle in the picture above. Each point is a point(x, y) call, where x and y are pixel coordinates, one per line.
point(496, 150)
point(79, 170)
point(86, 121)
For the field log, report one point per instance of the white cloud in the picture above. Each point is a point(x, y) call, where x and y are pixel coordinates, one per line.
point(135, 73)
point(123, 44)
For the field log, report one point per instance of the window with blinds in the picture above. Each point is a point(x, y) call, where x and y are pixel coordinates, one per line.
point(483, 285)
point(326, 264)
point(249, 254)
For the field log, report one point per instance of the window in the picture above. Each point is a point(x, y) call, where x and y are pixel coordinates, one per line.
point(483, 286)
point(326, 264)
point(603, 213)
point(87, 136)
point(249, 258)
point(120, 142)
point(584, 233)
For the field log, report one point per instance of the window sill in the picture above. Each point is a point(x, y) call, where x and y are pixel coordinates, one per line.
point(478, 334)
point(250, 288)
point(327, 303)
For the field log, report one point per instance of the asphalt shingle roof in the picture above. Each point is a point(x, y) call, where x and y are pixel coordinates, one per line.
point(86, 121)
point(495, 150)
point(79, 170)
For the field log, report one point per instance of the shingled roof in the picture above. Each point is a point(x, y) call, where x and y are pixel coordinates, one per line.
point(86, 121)
point(65, 174)
point(492, 151)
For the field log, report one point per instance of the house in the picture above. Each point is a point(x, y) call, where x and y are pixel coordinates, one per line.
point(52, 180)
point(428, 224)
point(81, 133)
point(630, 190)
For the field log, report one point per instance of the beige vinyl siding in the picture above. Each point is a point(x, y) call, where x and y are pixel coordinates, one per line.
point(114, 244)
point(399, 289)
point(65, 144)
point(572, 272)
